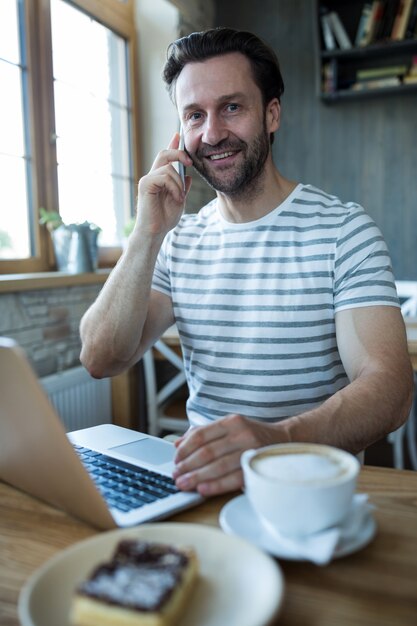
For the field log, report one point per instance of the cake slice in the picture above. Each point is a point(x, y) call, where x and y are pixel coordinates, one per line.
point(144, 584)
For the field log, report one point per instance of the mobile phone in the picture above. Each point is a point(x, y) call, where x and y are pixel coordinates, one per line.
point(181, 166)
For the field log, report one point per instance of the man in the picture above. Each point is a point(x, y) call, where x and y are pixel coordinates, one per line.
point(283, 295)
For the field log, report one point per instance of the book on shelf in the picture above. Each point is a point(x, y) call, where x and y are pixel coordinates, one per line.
point(401, 19)
point(386, 20)
point(389, 12)
point(372, 15)
point(381, 72)
point(339, 31)
point(378, 20)
point(410, 79)
point(328, 37)
point(363, 24)
point(329, 77)
point(411, 30)
point(377, 83)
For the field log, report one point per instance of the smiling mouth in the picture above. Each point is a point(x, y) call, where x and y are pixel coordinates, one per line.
point(223, 155)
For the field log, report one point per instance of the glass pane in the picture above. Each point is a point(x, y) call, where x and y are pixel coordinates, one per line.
point(9, 32)
point(91, 198)
point(83, 126)
point(92, 121)
point(14, 235)
point(11, 114)
point(118, 77)
point(123, 198)
point(120, 129)
point(15, 239)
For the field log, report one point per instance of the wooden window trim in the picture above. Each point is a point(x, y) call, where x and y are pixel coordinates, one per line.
point(10, 283)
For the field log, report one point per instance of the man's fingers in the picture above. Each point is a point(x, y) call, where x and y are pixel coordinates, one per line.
point(214, 472)
point(212, 453)
point(172, 155)
point(208, 458)
point(170, 182)
point(175, 142)
point(198, 438)
point(231, 427)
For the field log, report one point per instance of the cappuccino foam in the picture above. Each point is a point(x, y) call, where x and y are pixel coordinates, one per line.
point(303, 467)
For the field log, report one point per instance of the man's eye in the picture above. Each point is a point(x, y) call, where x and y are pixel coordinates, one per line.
point(194, 117)
point(232, 107)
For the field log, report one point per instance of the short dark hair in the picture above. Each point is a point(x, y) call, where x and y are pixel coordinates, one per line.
point(217, 41)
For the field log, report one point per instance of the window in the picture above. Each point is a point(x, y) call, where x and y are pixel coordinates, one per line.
point(67, 122)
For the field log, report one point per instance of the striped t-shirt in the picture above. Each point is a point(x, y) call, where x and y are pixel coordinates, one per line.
point(255, 302)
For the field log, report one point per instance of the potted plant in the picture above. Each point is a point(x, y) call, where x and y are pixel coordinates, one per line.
point(75, 245)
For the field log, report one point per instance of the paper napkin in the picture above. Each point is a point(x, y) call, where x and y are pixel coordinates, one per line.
point(320, 547)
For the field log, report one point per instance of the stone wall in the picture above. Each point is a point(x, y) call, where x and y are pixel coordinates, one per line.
point(45, 324)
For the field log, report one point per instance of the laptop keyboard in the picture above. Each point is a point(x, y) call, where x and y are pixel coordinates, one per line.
point(123, 486)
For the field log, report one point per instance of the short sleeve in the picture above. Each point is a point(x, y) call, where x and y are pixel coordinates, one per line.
point(362, 267)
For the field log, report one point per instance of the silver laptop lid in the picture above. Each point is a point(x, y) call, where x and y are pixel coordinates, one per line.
point(35, 454)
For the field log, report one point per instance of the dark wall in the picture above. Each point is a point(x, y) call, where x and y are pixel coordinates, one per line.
point(365, 150)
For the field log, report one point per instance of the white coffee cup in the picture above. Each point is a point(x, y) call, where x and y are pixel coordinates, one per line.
point(299, 488)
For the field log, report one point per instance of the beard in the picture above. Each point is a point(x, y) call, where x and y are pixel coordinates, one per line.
point(242, 179)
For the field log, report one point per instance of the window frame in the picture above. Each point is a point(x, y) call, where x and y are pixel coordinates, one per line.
point(118, 15)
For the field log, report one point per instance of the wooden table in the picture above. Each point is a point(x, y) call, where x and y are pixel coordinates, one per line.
point(376, 586)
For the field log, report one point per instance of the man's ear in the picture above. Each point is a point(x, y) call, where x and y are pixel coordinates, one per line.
point(273, 115)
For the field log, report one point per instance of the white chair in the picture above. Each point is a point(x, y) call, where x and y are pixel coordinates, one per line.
point(157, 402)
point(407, 292)
point(407, 431)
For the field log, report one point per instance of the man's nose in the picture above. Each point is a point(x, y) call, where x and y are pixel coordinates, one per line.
point(214, 131)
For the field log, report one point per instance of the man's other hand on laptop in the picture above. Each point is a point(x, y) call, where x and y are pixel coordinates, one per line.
point(208, 457)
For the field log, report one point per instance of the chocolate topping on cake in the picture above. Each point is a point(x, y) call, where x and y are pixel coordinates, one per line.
point(140, 576)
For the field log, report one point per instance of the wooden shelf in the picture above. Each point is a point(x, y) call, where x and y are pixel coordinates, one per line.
point(374, 50)
point(350, 94)
point(342, 65)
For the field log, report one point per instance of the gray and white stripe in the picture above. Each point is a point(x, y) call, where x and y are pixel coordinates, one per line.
point(255, 302)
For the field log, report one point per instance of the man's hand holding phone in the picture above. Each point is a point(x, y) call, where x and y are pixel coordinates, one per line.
point(163, 190)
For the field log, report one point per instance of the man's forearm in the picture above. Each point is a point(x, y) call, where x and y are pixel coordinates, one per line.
point(358, 415)
point(112, 327)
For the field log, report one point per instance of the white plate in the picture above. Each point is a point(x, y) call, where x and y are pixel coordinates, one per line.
point(238, 518)
point(238, 584)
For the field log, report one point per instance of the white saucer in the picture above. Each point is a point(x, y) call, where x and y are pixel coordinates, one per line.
point(238, 518)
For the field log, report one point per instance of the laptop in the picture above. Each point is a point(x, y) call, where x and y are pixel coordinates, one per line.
point(105, 475)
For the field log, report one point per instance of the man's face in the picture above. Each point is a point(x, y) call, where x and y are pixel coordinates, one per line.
point(226, 127)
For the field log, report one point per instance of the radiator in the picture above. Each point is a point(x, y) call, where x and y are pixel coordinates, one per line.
point(79, 399)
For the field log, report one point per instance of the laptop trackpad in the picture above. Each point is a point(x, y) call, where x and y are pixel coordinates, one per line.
point(148, 450)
